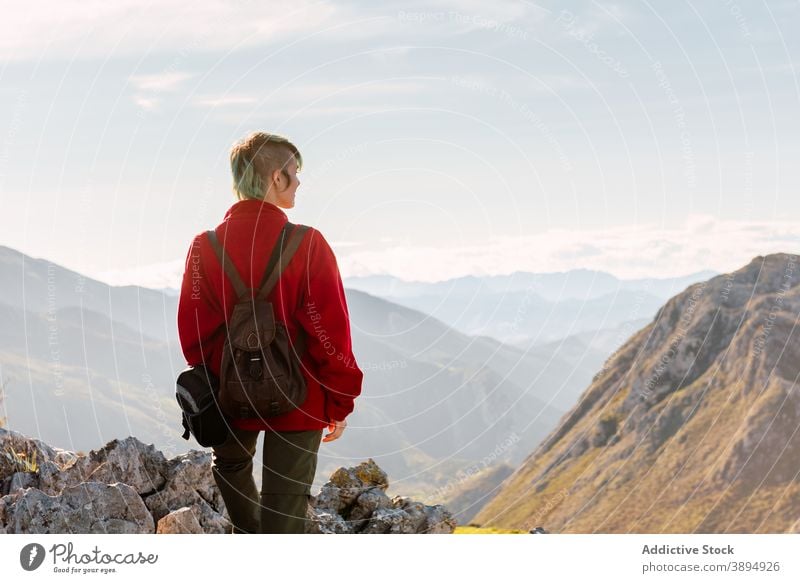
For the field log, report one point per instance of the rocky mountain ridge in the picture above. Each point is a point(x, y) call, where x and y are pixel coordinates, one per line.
point(692, 426)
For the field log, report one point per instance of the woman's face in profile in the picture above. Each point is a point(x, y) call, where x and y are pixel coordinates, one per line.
point(285, 198)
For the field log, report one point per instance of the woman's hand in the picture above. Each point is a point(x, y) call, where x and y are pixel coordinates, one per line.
point(336, 429)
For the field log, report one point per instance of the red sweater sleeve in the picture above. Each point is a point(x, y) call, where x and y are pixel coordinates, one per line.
point(324, 316)
point(199, 311)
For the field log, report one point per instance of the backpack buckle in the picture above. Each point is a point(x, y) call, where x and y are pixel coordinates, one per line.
point(274, 408)
point(256, 370)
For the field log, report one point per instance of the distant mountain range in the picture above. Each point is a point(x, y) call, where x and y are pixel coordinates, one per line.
point(692, 426)
point(575, 284)
point(690, 422)
point(528, 309)
point(85, 362)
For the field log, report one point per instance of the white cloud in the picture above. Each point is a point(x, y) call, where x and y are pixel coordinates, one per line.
point(160, 82)
point(478, 14)
point(702, 242)
point(371, 88)
point(146, 102)
point(224, 100)
point(293, 98)
point(149, 86)
point(313, 99)
point(98, 28)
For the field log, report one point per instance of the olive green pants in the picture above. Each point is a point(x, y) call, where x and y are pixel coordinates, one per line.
point(289, 465)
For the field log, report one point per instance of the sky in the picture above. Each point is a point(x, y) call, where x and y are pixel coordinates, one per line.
point(440, 138)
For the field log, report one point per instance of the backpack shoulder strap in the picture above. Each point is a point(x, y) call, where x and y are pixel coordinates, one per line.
point(276, 253)
point(225, 260)
point(281, 255)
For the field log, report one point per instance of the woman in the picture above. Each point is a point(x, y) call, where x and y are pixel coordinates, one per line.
point(309, 298)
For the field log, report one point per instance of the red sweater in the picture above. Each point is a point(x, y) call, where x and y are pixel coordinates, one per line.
point(309, 293)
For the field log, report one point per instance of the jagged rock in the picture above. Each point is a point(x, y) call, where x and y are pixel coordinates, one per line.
point(438, 520)
point(386, 521)
point(328, 499)
point(325, 522)
point(128, 465)
point(19, 453)
point(347, 484)
point(191, 484)
point(365, 505)
point(422, 518)
point(91, 507)
point(22, 443)
point(129, 487)
point(181, 521)
point(140, 466)
point(19, 481)
point(411, 518)
point(364, 474)
point(65, 458)
point(355, 501)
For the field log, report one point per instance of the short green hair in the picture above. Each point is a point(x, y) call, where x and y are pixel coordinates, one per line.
point(255, 158)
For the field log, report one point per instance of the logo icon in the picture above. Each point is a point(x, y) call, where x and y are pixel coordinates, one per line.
point(31, 556)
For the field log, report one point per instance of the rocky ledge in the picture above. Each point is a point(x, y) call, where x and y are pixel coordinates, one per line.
point(130, 487)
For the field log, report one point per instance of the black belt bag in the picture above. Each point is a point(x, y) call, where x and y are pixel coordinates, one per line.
point(196, 391)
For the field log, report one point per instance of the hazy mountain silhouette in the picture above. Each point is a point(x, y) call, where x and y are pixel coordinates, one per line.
point(87, 362)
point(531, 308)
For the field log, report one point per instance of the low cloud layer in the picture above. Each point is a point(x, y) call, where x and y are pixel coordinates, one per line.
point(646, 250)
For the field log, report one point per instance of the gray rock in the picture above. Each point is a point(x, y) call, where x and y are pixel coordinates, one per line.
point(347, 484)
point(330, 498)
point(191, 484)
point(19, 453)
point(22, 480)
point(161, 487)
point(129, 460)
point(414, 518)
point(365, 506)
point(386, 520)
point(438, 520)
point(355, 501)
point(91, 508)
point(64, 458)
point(129, 487)
point(324, 522)
point(181, 521)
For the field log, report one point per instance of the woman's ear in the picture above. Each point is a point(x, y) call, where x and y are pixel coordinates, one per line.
point(276, 177)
